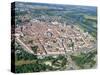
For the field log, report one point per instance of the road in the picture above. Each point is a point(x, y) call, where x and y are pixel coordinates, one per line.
point(24, 46)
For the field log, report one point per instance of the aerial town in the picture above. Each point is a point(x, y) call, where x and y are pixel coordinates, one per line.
point(50, 37)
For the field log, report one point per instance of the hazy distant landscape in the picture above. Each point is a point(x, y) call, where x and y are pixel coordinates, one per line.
point(51, 37)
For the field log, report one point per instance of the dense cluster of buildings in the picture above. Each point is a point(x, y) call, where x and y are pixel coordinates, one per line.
point(53, 37)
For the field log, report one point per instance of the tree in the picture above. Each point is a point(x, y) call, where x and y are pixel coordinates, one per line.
point(30, 41)
point(34, 48)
